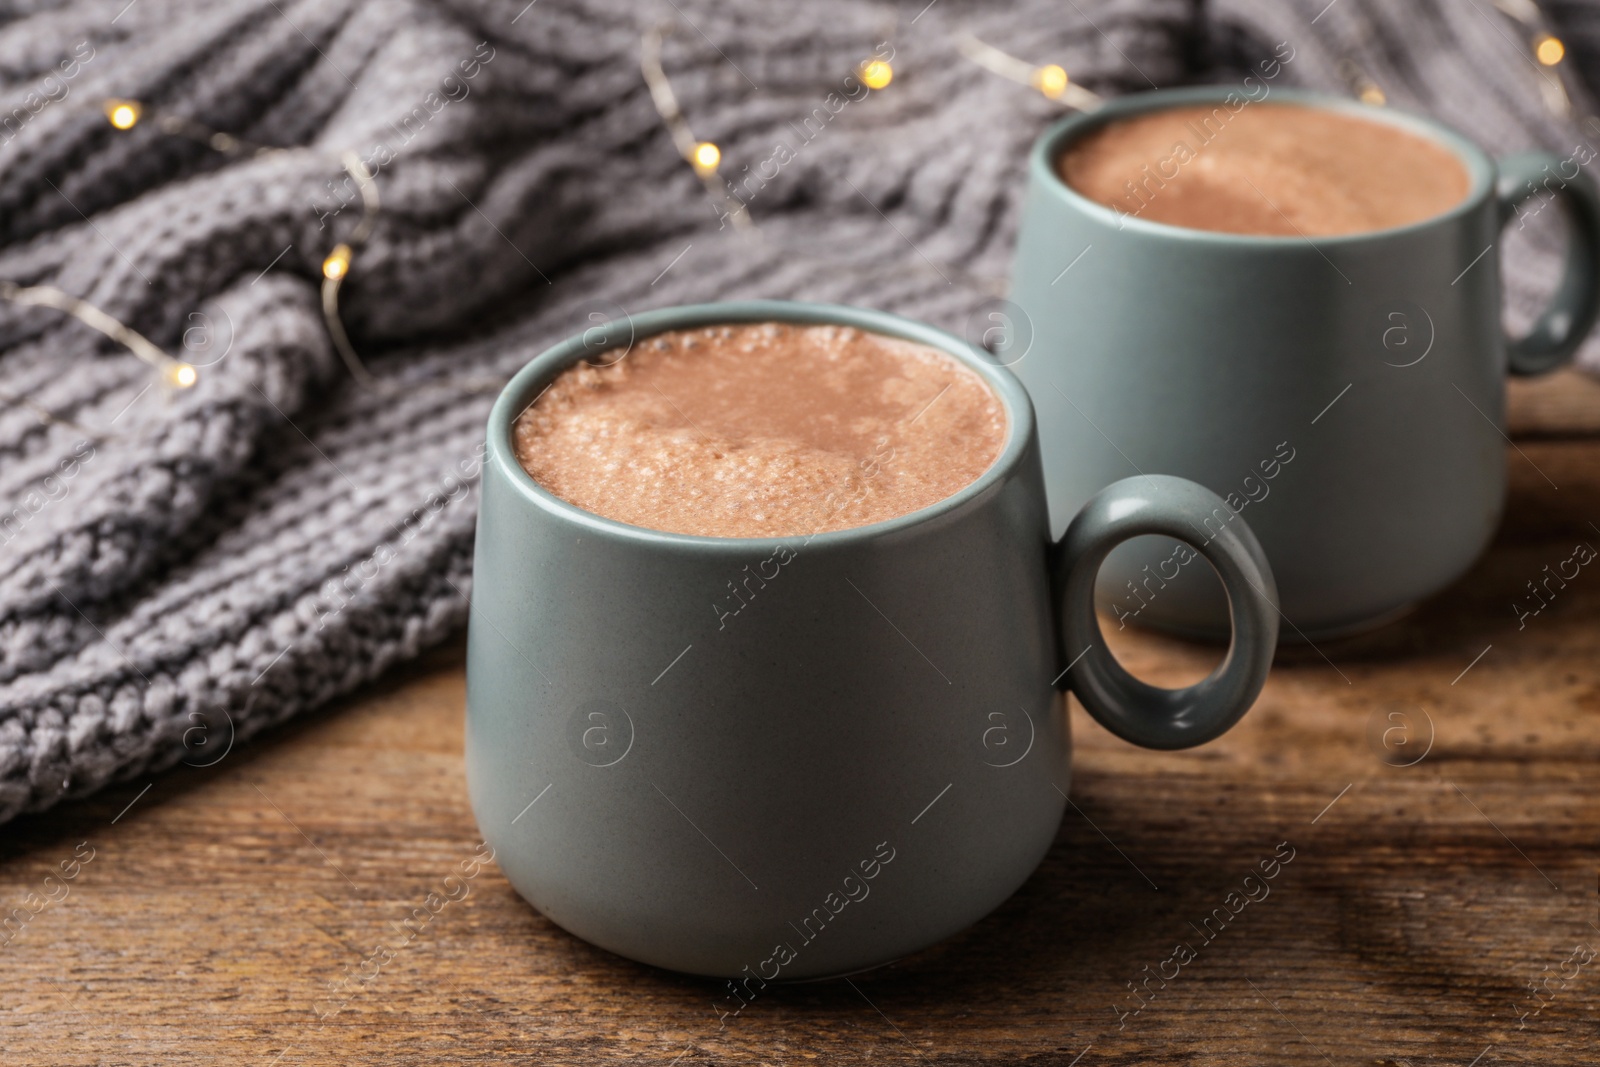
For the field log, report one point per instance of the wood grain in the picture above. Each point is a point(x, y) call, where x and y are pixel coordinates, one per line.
point(224, 907)
point(1565, 403)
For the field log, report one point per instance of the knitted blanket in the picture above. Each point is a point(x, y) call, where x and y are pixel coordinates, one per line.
point(181, 569)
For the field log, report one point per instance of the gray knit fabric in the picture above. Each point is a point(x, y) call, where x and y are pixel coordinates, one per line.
point(277, 535)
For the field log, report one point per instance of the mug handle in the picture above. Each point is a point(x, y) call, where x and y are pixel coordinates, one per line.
point(1146, 714)
point(1572, 311)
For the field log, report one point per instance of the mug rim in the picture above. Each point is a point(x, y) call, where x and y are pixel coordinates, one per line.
point(1048, 147)
point(528, 383)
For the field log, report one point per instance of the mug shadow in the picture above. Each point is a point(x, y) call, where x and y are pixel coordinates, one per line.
point(1540, 526)
point(1079, 916)
point(1059, 959)
point(1080, 940)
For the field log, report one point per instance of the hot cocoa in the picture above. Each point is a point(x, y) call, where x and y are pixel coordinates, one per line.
point(1269, 169)
point(762, 430)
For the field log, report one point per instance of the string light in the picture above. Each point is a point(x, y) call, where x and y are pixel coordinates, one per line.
point(1361, 83)
point(126, 114)
point(1547, 49)
point(337, 263)
point(1050, 80)
point(174, 372)
point(45, 415)
point(876, 74)
point(225, 143)
point(123, 114)
point(336, 268)
point(703, 157)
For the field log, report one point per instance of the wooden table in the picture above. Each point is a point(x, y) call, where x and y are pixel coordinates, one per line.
point(1442, 912)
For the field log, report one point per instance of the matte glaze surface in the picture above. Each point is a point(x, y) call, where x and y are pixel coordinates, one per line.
point(1375, 360)
point(857, 752)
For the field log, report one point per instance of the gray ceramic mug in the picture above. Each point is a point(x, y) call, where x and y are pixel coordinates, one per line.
point(1345, 395)
point(798, 757)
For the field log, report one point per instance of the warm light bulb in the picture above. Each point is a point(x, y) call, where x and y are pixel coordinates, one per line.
point(182, 375)
point(122, 113)
point(1549, 50)
point(876, 73)
point(337, 264)
point(1374, 96)
point(706, 157)
point(1051, 80)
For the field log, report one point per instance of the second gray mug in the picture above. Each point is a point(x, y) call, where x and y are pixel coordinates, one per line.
point(1345, 395)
